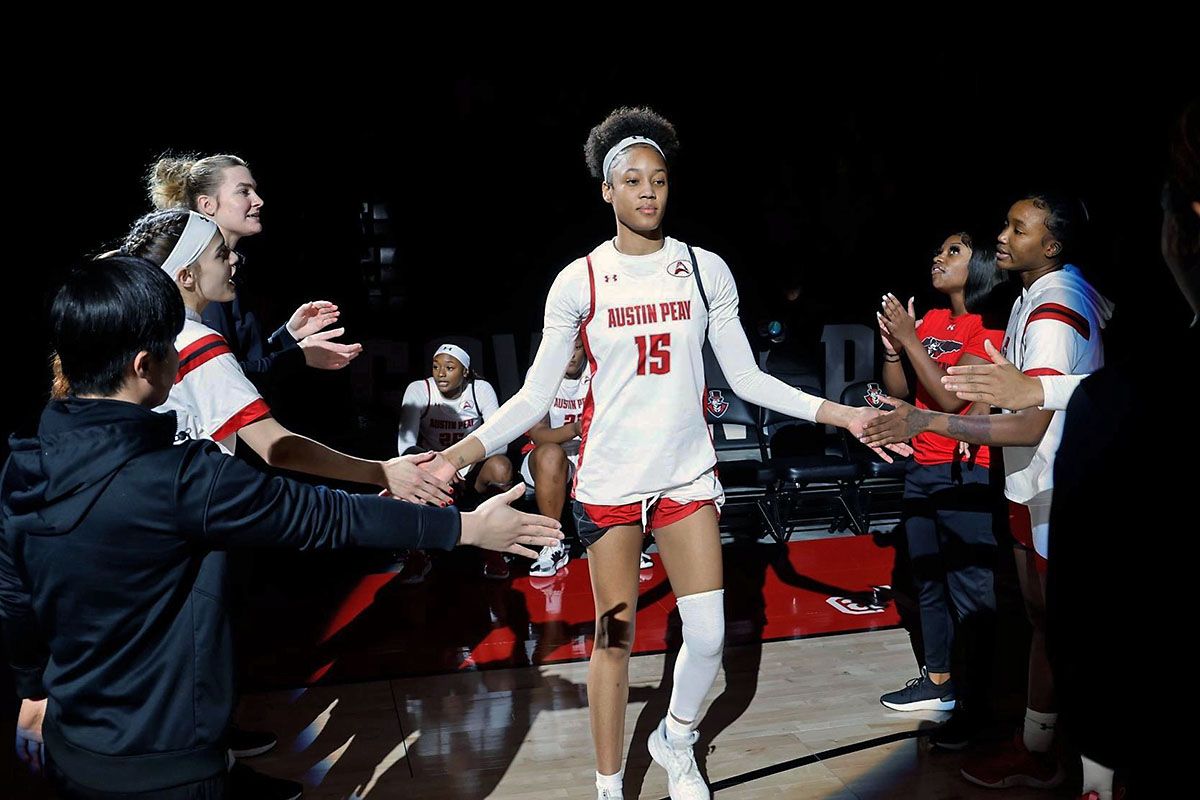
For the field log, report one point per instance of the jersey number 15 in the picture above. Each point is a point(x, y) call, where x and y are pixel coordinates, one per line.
point(653, 356)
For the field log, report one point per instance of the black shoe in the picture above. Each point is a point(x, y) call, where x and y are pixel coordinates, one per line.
point(921, 694)
point(955, 735)
point(247, 744)
point(246, 784)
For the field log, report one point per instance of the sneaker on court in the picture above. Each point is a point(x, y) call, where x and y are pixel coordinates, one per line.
point(552, 558)
point(246, 784)
point(1012, 765)
point(413, 566)
point(495, 566)
point(247, 744)
point(683, 776)
point(955, 734)
point(646, 563)
point(921, 694)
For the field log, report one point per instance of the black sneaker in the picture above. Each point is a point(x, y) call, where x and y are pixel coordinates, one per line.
point(921, 694)
point(955, 734)
point(247, 744)
point(246, 784)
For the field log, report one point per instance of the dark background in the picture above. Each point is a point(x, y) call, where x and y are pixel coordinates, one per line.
point(799, 174)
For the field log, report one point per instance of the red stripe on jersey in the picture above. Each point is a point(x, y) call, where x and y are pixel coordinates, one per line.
point(256, 410)
point(199, 344)
point(1061, 313)
point(591, 300)
point(1040, 371)
point(589, 405)
point(199, 359)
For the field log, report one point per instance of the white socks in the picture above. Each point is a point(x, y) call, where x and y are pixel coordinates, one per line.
point(1039, 730)
point(610, 782)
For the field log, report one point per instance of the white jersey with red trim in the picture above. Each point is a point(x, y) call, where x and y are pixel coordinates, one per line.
point(643, 322)
point(568, 407)
point(1054, 329)
point(644, 430)
point(431, 421)
point(212, 398)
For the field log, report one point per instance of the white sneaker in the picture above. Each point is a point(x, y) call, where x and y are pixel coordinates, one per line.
point(646, 563)
point(609, 794)
point(552, 558)
point(683, 776)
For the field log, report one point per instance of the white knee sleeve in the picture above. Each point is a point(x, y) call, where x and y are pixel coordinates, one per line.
point(699, 659)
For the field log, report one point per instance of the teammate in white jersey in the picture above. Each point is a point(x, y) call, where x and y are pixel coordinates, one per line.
point(437, 412)
point(646, 461)
point(213, 399)
point(1054, 329)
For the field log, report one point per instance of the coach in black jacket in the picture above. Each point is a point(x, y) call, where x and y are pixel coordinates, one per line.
point(111, 557)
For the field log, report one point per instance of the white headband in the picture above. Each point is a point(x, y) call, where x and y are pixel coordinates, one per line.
point(628, 141)
point(457, 352)
point(196, 235)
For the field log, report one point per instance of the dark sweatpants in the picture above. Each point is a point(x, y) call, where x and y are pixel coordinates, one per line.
point(948, 512)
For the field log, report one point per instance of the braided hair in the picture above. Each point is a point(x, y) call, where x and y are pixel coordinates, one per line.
point(154, 236)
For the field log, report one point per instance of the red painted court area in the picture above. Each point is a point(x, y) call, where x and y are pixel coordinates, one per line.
point(372, 627)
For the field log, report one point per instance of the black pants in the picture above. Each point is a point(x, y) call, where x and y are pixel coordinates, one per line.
point(948, 512)
point(213, 788)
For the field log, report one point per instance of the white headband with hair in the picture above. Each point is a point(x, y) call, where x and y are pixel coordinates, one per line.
point(628, 141)
point(457, 352)
point(196, 235)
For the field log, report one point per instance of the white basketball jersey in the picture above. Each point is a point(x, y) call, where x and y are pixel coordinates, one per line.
point(1054, 329)
point(568, 407)
point(212, 398)
point(644, 430)
point(438, 421)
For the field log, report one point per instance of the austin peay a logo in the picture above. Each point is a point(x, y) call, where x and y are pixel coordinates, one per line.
point(874, 395)
point(940, 347)
point(716, 403)
point(680, 269)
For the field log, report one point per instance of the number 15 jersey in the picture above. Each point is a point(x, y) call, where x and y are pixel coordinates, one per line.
point(643, 324)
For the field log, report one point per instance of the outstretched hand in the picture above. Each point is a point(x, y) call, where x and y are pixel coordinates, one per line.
point(999, 384)
point(312, 317)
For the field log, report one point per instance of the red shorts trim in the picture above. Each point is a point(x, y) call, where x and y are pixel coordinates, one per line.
point(1020, 525)
point(592, 521)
